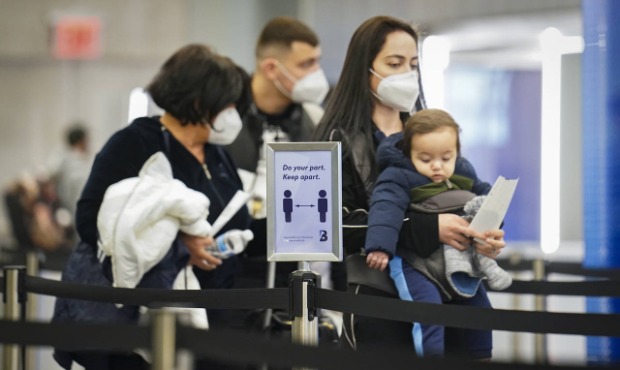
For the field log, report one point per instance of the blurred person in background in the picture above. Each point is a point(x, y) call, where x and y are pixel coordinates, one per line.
point(38, 221)
point(74, 167)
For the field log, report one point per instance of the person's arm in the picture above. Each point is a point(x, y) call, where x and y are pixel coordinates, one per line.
point(120, 158)
point(424, 233)
point(464, 167)
point(389, 201)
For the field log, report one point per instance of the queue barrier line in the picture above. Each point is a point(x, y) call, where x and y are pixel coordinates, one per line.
point(256, 349)
point(384, 308)
point(567, 268)
point(573, 268)
point(74, 336)
point(510, 264)
point(264, 298)
point(469, 317)
point(365, 305)
point(326, 356)
point(606, 288)
point(594, 288)
point(206, 298)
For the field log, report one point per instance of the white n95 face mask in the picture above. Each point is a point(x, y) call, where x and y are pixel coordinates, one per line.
point(312, 88)
point(399, 91)
point(226, 127)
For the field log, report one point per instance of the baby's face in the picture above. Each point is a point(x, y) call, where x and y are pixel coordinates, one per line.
point(434, 154)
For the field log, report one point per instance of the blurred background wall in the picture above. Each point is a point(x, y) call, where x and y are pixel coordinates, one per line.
point(493, 47)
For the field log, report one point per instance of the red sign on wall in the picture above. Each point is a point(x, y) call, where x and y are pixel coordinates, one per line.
point(77, 37)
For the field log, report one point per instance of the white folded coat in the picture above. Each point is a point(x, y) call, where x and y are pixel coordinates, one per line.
point(141, 216)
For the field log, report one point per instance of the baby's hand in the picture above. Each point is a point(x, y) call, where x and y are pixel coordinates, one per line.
point(377, 260)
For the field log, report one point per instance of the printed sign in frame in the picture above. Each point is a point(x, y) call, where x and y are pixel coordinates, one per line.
point(304, 206)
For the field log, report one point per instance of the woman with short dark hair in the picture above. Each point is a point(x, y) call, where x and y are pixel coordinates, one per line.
point(198, 91)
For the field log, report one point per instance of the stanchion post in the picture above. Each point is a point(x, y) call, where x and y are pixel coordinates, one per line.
point(13, 296)
point(271, 283)
point(540, 340)
point(32, 269)
point(515, 259)
point(302, 308)
point(163, 345)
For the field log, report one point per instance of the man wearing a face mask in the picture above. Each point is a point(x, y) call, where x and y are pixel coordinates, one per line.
point(288, 86)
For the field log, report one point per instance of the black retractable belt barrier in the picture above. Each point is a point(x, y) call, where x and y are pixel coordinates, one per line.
point(568, 268)
point(255, 350)
point(378, 307)
point(571, 268)
point(284, 354)
point(239, 347)
point(469, 317)
point(597, 288)
point(216, 298)
point(76, 336)
point(80, 336)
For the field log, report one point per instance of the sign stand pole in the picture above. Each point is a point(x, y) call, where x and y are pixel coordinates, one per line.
point(304, 222)
point(302, 305)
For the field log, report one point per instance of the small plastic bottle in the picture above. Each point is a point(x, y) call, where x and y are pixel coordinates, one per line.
point(231, 242)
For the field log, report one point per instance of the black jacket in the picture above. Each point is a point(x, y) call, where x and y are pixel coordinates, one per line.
point(245, 150)
point(125, 153)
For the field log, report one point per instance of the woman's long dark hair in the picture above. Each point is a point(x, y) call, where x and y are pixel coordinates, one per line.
point(349, 108)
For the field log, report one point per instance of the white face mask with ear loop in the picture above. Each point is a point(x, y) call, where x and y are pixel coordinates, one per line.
point(399, 91)
point(311, 88)
point(225, 127)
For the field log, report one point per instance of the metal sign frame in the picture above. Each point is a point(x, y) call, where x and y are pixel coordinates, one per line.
point(299, 232)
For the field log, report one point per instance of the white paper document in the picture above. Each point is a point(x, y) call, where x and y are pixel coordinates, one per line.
point(493, 209)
